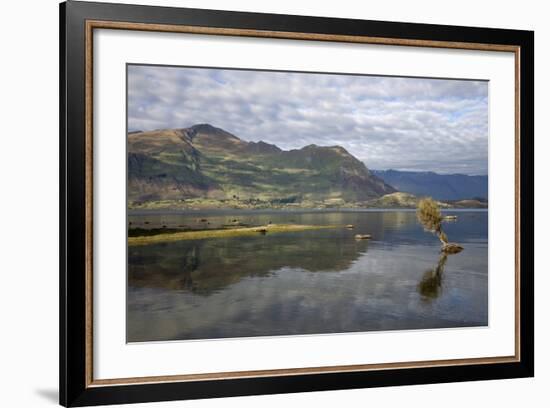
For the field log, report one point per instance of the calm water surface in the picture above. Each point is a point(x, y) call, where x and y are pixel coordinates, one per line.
point(320, 281)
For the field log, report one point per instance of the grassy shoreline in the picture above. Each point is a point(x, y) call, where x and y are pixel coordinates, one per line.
point(223, 233)
point(389, 201)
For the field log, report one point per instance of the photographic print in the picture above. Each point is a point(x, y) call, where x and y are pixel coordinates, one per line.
point(274, 203)
point(260, 203)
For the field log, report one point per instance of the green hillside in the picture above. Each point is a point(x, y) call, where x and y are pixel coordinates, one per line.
point(204, 166)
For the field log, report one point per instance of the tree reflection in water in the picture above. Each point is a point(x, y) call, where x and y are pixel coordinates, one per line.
point(310, 282)
point(430, 285)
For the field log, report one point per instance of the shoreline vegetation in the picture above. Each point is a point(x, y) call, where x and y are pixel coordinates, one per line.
point(139, 236)
point(398, 200)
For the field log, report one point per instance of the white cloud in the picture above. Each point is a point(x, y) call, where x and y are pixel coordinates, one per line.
point(403, 123)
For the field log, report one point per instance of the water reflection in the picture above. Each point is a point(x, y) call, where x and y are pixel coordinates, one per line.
point(205, 266)
point(321, 281)
point(430, 285)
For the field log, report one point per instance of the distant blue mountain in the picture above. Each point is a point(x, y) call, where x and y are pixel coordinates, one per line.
point(438, 186)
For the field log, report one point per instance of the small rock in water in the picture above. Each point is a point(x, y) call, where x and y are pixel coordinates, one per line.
point(452, 248)
point(362, 236)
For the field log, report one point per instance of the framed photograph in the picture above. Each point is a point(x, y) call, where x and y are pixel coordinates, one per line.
point(256, 203)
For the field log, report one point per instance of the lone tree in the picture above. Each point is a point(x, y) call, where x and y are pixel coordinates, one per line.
point(429, 215)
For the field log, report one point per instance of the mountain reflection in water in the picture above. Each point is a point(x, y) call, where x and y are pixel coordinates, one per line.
point(309, 282)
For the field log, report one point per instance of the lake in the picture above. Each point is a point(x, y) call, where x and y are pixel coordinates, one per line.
point(308, 282)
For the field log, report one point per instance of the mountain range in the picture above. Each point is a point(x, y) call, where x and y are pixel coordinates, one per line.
point(438, 186)
point(206, 166)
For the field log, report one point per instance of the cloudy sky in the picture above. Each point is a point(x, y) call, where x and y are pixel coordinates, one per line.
point(388, 122)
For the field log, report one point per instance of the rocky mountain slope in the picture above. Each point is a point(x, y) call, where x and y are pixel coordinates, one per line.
point(207, 165)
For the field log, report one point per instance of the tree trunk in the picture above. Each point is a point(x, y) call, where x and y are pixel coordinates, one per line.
point(442, 237)
point(446, 246)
